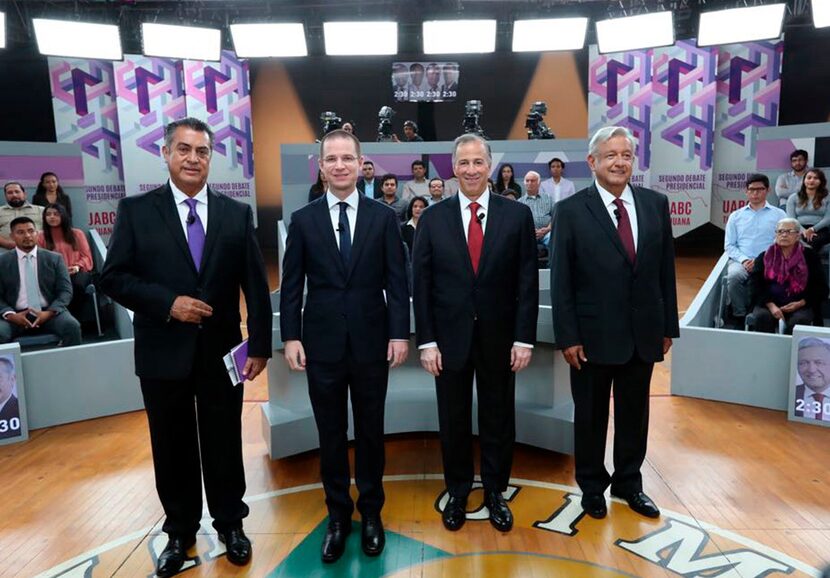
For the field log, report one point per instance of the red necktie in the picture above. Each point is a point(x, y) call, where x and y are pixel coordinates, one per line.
point(624, 229)
point(475, 236)
point(819, 397)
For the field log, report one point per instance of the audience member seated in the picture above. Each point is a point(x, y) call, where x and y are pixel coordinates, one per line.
point(557, 186)
point(368, 184)
point(58, 235)
point(749, 231)
point(318, 189)
point(389, 186)
point(413, 213)
point(789, 183)
point(788, 282)
point(510, 194)
point(16, 206)
point(811, 207)
point(418, 186)
point(49, 191)
point(436, 191)
point(542, 208)
point(35, 290)
point(506, 180)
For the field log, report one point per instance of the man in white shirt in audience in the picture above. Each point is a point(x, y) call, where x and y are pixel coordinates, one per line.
point(789, 183)
point(368, 184)
point(418, 186)
point(557, 186)
point(16, 206)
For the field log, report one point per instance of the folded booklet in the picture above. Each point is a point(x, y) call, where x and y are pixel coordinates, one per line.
point(235, 362)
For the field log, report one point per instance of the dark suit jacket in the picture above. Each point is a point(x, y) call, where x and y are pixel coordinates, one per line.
point(377, 191)
point(600, 299)
point(149, 264)
point(10, 410)
point(344, 305)
point(52, 278)
point(448, 297)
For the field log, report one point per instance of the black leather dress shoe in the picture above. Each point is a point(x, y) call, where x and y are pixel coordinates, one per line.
point(500, 515)
point(173, 556)
point(238, 546)
point(373, 538)
point(455, 513)
point(334, 542)
point(594, 505)
point(641, 504)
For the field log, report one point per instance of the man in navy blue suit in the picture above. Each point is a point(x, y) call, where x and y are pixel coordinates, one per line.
point(347, 250)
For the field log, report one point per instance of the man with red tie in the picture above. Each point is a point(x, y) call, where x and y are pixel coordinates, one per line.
point(476, 296)
point(614, 315)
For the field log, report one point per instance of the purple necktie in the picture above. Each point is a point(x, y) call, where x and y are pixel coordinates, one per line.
point(195, 233)
point(624, 229)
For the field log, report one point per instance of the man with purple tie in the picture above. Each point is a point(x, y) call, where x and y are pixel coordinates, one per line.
point(178, 258)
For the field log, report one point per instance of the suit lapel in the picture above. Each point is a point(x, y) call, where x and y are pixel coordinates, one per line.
point(166, 207)
point(493, 223)
point(215, 216)
point(363, 224)
point(456, 227)
point(322, 218)
point(600, 213)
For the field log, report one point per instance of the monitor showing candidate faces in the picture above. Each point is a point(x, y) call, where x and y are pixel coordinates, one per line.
point(811, 397)
point(11, 423)
point(429, 81)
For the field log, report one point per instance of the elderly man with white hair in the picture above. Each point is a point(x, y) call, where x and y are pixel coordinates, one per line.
point(540, 205)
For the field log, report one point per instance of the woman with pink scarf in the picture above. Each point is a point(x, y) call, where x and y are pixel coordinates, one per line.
point(788, 282)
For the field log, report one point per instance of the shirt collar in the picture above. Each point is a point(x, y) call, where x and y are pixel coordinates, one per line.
point(483, 201)
point(179, 197)
point(22, 255)
point(351, 200)
point(607, 198)
point(748, 207)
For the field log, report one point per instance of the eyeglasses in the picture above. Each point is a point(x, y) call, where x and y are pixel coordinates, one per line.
point(756, 189)
point(787, 232)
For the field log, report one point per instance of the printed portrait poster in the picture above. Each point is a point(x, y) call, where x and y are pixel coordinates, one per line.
point(809, 399)
point(13, 427)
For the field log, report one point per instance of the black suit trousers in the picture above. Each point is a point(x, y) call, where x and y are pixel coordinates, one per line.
point(329, 386)
point(591, 390)
point(495, 386)
point(196, 428)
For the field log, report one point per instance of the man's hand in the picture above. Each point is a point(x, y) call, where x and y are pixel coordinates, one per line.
point(431, 360)
point(295, 355)
point(253, 367)
point(575, 356)
point(540, 233)
point(776, 311)
point(520, 358)
point(397, 352)
point(189, 310)
point(19, 319)
point(666, 345)
point(749, 264)
point(42, 317)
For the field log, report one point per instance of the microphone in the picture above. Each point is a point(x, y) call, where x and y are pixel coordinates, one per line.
point(480, 218)
point(617, 214)
point(190, 219)
point(338, 227)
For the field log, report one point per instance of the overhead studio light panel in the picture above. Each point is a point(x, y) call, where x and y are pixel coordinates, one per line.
point(269, 40)
point(549, 34)
point(740, 24)
point(635, 32)
point(185, 42)
point(459, 36)
point(77, 39)
point(360, 38)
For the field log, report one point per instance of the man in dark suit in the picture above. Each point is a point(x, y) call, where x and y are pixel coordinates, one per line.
point(476, 296)
point(614, 315)
point(347, 249)
point(35, 289)
point(9, 406)
point(368, 184)
point(177, 258)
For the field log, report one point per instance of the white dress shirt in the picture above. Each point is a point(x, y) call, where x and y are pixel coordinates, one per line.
point(628, 201)
point(184, 209)
point(351, 213)
point(21, 303)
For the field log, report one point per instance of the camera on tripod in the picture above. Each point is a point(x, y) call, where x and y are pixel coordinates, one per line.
point(385, 133)
point(535, 123)
point(330, 121)
point(473, 110)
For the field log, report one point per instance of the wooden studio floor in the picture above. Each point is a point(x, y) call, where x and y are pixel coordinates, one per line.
point(79, 500)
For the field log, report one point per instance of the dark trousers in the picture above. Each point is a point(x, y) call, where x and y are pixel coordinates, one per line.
point(64, 326)
point(329, 387)
point(766, 323)
point(591, 390)
point(495, 386)
point(196, 429)
point(80, 280)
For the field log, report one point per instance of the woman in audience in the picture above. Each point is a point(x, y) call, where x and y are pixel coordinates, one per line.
point(507, 180)
point(319, 188)
point(811, 207)
point(49, 191)
point(413, 213)
point(57, 234)
point(788, 282)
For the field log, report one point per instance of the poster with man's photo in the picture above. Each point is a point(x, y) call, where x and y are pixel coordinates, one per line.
point(424, 81)
point(13, 426)
point(809, 399)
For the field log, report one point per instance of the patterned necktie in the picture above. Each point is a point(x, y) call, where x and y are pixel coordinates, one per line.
point(819, 397)
point(32, 292)
point(195, 233)
point(624, 229)
point(475, 237)
point(345, 233)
